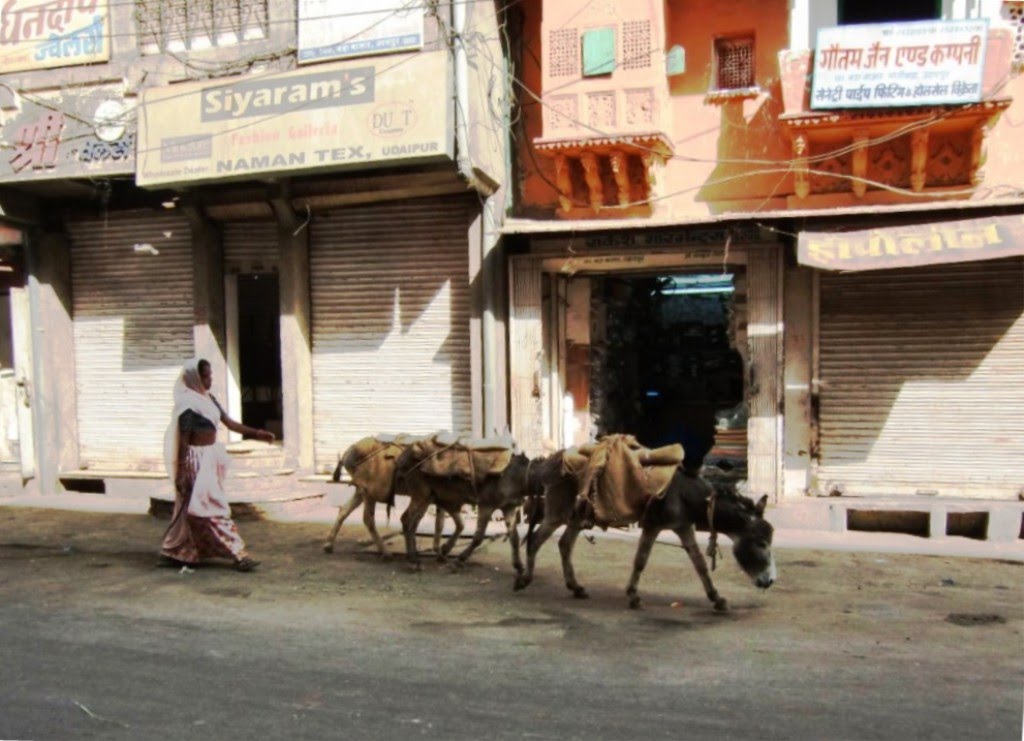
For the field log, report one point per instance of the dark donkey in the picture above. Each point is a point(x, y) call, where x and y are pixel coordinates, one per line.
point(684, 506)
point(504, 492)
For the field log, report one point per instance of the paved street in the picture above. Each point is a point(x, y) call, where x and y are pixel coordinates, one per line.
point(97, 642)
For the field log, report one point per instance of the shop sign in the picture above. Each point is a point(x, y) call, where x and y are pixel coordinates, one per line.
point(886, 65)
point(38, 34)
point(363, 28)
point(67, 136)
point(913, 245)
point(333, 116)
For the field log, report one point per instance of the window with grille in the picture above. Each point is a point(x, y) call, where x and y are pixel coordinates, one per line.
point(564, 52)
point(636, 44)
point(178, 25)
point(734, 63)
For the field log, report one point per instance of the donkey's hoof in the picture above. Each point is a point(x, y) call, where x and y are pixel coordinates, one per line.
point(520, 583)
point(634, 602)
point(328, 547)
point(579, 593)
point(385, 556)
point(414, 567)
point(721, 605)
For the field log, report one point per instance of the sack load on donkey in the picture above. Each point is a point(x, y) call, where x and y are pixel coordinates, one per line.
point(616, 481)
point(371, 464)
point(450, 471)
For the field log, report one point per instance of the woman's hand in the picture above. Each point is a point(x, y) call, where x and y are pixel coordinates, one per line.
point(265, 435)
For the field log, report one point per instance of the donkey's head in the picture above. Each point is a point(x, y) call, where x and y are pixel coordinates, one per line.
point(752, 540)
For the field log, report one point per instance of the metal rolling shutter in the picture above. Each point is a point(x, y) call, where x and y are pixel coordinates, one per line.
point(390, 319)
point(133, 315)
point(922, 374)
point(250, 246)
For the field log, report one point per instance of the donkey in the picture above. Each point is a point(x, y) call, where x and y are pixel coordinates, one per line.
point(381, 489)
point(504, 492)
point(689, 502)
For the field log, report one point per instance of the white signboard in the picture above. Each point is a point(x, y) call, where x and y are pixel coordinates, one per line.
point(332, 30)
point(52, 33)
point(885, 65)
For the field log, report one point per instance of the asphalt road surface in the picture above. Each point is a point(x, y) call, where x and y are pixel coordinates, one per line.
point(98, 642)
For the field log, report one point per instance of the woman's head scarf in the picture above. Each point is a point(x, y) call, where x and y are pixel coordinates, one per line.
point(189, 394)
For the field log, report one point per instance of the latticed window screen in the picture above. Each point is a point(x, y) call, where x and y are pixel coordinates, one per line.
point(169, 25)
point(636, 44)
point(734, 63)
point(564, 52)
point(1014, 12)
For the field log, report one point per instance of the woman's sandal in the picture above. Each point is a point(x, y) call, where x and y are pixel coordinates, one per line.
point(246, 564)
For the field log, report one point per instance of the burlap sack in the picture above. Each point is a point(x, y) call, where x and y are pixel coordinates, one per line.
point(371, 464)
point(620, 476)
point(447, 456)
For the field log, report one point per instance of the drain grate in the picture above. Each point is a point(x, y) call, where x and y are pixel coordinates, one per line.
point(887, 521)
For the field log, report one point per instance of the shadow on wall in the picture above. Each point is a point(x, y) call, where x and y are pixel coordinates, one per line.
point(390, 317)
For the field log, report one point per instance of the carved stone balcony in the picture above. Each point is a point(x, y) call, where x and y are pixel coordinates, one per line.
point(887, 155)
point(601, 172)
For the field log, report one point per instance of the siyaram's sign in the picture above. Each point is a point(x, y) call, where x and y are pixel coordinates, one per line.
point(340, 115)
point(912, 245)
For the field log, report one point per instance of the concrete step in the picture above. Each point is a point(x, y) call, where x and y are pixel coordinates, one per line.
point(932, 517)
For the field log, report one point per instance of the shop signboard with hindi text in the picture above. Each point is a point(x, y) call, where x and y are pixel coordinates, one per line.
point(340, 115)
point(333, 30)
point(913, 245)
point(887, 65)
point(87, 133)
point(42, 34)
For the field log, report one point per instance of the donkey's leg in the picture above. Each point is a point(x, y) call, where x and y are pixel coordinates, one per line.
point(565, 546)
point(410, 521)
point(533, 544)
point(438, 530)
point(343, 512)
point(643, 552)
point(456, 514)
point(512, 523)
point(689, 541)
point(483, 517)
point(370, 520)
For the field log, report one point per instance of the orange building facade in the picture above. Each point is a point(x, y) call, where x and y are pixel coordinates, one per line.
point(786, 234)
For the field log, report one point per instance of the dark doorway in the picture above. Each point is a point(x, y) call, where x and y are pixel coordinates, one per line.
point(669, 364)
point(852, 12)
point(259, 351)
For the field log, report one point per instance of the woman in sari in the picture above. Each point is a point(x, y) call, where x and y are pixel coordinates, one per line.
point(201, 526)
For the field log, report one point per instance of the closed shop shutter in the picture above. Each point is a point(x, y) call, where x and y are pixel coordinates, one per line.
point(922, 372)
point(390, 320)
point(131, 277)
point(250, 247)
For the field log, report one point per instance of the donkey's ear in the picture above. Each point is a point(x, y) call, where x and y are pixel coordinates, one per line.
point(761, 504)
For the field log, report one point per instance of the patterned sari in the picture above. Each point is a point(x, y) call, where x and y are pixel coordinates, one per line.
point(201, 525)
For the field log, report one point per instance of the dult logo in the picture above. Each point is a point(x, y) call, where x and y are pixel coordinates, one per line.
point(392, 119)
point(272, 96)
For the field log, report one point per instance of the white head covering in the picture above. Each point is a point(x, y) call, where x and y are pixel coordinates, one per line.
point(189, 393)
